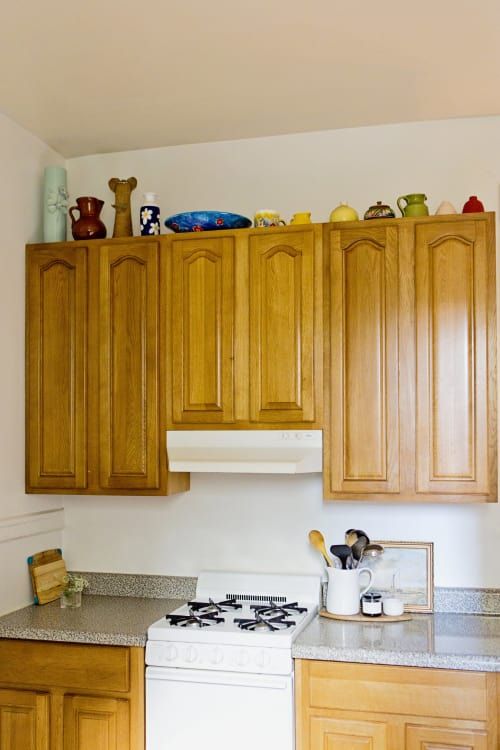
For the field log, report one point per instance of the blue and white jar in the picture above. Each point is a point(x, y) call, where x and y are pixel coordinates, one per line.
point(150, 215)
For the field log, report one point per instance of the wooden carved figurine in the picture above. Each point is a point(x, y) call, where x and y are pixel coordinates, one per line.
point(123, 214)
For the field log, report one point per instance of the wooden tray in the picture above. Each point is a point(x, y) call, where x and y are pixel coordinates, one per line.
point(47, 570)
point(364, 618)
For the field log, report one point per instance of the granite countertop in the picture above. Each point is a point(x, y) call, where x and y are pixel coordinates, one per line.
point(445, 641)
point(110, 620)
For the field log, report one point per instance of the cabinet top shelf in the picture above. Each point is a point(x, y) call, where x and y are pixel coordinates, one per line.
point(406, 221)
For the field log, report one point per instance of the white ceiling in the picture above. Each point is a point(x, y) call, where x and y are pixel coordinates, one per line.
point(109, 75)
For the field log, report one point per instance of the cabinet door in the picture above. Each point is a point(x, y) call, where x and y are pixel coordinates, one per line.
point(362, 445)
point(95, 723)
point(348, 734)
point(128, 366)
point(202, 330)
point(454, 304)
point(282, 327)
point(441, 738)
point(24, 720)
point(56, 368)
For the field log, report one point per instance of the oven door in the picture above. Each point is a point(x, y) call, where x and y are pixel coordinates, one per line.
point(189, 709)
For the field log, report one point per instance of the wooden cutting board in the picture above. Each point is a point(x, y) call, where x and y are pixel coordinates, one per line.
point(364, 618)
point(47, 571)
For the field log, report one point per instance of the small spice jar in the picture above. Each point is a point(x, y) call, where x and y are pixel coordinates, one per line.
point(371, 604)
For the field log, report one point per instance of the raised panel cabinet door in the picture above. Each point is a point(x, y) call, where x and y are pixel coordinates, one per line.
point(441, 738)
point(56, 323)
point(95, 723)
point(129, 366)
point(363, 454)
point(282, 327)
point(455, 430)
point(203, 330)
point(347, 734)
point(24, 720)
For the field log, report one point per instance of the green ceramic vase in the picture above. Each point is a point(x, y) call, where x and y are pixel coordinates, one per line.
point(415, 205)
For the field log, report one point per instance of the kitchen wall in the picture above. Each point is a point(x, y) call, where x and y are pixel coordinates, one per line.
point(27, 524)
point(262, 522)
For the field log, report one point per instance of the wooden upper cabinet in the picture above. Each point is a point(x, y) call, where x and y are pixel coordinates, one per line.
point(363, 452)
point(411, 365)
point(24, 720)
point(455, 315)
point(282, 327)
point(56, 322)
point(129, 365)
point(95, 398)
point(245, 329)
point(203, 302)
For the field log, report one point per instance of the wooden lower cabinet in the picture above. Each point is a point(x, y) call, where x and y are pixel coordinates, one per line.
point(443, 738)
point(24, 720)
point(370, 707)
point(95, 723)
point(56, 696)
point(346, 734)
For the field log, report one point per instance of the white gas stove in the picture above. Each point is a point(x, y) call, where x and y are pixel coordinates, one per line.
point(225, 656)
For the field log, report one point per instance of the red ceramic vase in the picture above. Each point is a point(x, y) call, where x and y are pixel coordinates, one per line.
point(473, 206)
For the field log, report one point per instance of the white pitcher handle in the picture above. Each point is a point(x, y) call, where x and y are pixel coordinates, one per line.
point(370, 573)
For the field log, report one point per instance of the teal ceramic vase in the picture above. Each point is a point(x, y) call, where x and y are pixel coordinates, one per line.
point(55, 204)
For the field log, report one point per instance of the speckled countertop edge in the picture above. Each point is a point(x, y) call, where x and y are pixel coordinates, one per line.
point(441, 641)
point(102, 620)
point(398, 658)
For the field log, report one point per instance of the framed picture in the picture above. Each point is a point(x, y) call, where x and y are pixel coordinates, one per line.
point(406, 569)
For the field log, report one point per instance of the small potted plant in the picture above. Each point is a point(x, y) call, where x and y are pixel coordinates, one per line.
point(71, 595)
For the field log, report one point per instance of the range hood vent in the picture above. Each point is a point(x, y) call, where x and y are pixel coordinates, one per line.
point(245, 451)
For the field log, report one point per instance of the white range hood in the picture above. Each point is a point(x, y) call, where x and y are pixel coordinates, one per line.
point(245, 451)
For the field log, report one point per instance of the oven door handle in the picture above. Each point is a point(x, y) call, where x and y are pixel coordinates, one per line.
point(203, 676)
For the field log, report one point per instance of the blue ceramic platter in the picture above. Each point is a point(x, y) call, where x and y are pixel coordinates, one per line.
point(205, 221)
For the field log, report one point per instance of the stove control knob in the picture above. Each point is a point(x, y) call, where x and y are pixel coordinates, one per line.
point(262, 659)
point(170, 653)
point(191, 654)
point(242, 658)
point(216, 656)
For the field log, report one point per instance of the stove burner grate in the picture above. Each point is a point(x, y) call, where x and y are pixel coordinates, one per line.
point(193, 619)
point(260, 623)
point(214, 607)
point(273, 609)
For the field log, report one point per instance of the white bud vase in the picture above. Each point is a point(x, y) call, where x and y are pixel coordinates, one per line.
point(55, 204)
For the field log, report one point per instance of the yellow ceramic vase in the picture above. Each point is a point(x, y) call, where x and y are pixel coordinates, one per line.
point(343, 212)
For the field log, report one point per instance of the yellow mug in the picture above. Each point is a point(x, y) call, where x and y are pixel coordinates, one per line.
point(303, 217)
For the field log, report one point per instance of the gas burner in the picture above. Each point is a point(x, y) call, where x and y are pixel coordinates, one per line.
point(273, 609)
point(212, 607)
point(194, 620)
point(260, 623)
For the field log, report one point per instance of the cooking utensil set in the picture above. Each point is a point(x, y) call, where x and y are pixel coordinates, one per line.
point(350, 555)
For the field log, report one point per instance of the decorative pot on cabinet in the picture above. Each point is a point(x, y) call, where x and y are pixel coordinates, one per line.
point(379, 211)
point(88, 226)
point(415, 204)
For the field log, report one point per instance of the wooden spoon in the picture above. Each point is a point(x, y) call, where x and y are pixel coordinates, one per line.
point(318, 542)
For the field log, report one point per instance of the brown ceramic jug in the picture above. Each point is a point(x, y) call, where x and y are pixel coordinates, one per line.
point(88, 226)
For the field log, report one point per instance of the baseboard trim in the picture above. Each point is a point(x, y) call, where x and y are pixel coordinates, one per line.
point(31, 524)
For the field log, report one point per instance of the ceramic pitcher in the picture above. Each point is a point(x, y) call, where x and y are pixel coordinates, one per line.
point(415, 205)
point(88, 226)
point(344, 591)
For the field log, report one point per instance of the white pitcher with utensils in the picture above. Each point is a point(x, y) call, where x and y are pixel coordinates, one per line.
point(344, 592)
